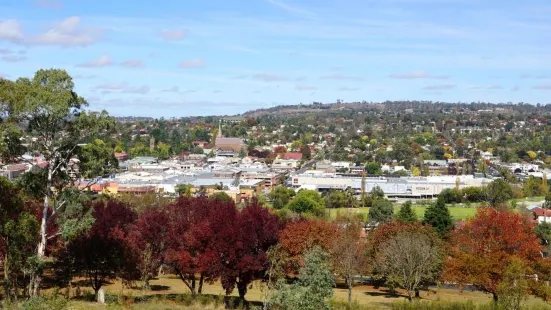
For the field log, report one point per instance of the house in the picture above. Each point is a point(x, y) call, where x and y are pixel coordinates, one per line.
point(292, 155)
point(542, 215)
point(122, 156)
point(11, 172)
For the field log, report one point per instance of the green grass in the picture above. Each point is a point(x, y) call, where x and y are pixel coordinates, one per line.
point(458, 213)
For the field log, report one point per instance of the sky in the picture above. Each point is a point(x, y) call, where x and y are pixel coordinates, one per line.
point(173, 58)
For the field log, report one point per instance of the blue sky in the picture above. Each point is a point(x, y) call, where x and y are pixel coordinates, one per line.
point(176, 58)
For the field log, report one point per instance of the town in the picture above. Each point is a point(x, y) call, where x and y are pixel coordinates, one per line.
point(275, 155)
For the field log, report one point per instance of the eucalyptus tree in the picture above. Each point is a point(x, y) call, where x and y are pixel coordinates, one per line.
point(47, 118)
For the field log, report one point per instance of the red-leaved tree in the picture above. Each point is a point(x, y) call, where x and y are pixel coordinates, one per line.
point(148, 239)
point(192, 238)
point(486, 244)
point(242, 245)
point(102, 253)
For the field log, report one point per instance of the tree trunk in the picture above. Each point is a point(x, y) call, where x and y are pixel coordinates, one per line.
point(201, 280)
point(6, 278)
point(417, 293)
point(36, 279)
point(242, 289)
point(349, 292)
point(494, 295)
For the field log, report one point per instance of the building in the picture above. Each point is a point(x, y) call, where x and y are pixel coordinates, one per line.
point(399, 187)
point(228, 147)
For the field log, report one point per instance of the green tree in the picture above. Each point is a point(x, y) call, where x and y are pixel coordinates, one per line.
point(162, 150)
point(97, 159)
point(314, 288)
point(336, 199)
point(281, 196)
point(373, 168)
point(439, 217)
point(183, 190)
point(513, 289)
point(307, 202)
point(381, 211)
point(18, 232)
point(406, 213)
point(54, 120)
point(306, 153)
point(498, 192)
point(242, 153)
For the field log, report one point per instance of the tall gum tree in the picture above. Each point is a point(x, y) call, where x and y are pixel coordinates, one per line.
point(46, 117)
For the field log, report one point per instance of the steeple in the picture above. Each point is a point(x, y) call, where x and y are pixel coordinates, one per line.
point(219, 135)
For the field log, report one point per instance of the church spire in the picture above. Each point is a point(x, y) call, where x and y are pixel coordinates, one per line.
point(219, 135)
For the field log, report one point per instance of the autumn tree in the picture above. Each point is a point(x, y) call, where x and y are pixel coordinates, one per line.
point(190, 245)
point(242, 250)
point(348, 251)
point(102, 253)
point(52, 116)
point(148, 238)
point(298, 237)
point(485, 244)
point(409, 255)
point(411, 258)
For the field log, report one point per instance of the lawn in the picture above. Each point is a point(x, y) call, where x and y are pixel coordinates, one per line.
point(166, 287)
point(458, 213)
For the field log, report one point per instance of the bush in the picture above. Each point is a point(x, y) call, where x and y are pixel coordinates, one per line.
point(54, 302)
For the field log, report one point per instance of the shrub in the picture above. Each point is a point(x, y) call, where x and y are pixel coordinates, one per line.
point(54, 302)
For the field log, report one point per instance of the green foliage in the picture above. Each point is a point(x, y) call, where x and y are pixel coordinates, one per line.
point(543, 231)
point(513, 291)
point(97, 159)
point(54, 302)
point(498, 192)
point(221, 196)
point(183, 189)
point(281, 196)
point(306, 153)
point(373, 168)
point(381, 211)
point(439, 217)
point(307, 202)
point(314, 288)
point(406, 213)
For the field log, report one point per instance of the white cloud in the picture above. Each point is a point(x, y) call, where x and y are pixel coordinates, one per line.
point(267, 77)
point(122, 88)
point(192, 64)
point(103, 61)
point(174, 35)
point(173, 89)
point(13, 58)
point(10, 30)
point(66, 33)
point(545, 86)
point(417, 75)
point(338, 76)
point(305, 87)
point(344, 88)
point(133, 64)
point(439, 87)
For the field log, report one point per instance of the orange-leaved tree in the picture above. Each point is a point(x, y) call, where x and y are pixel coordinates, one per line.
point(299, 237)
point(481, 250)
